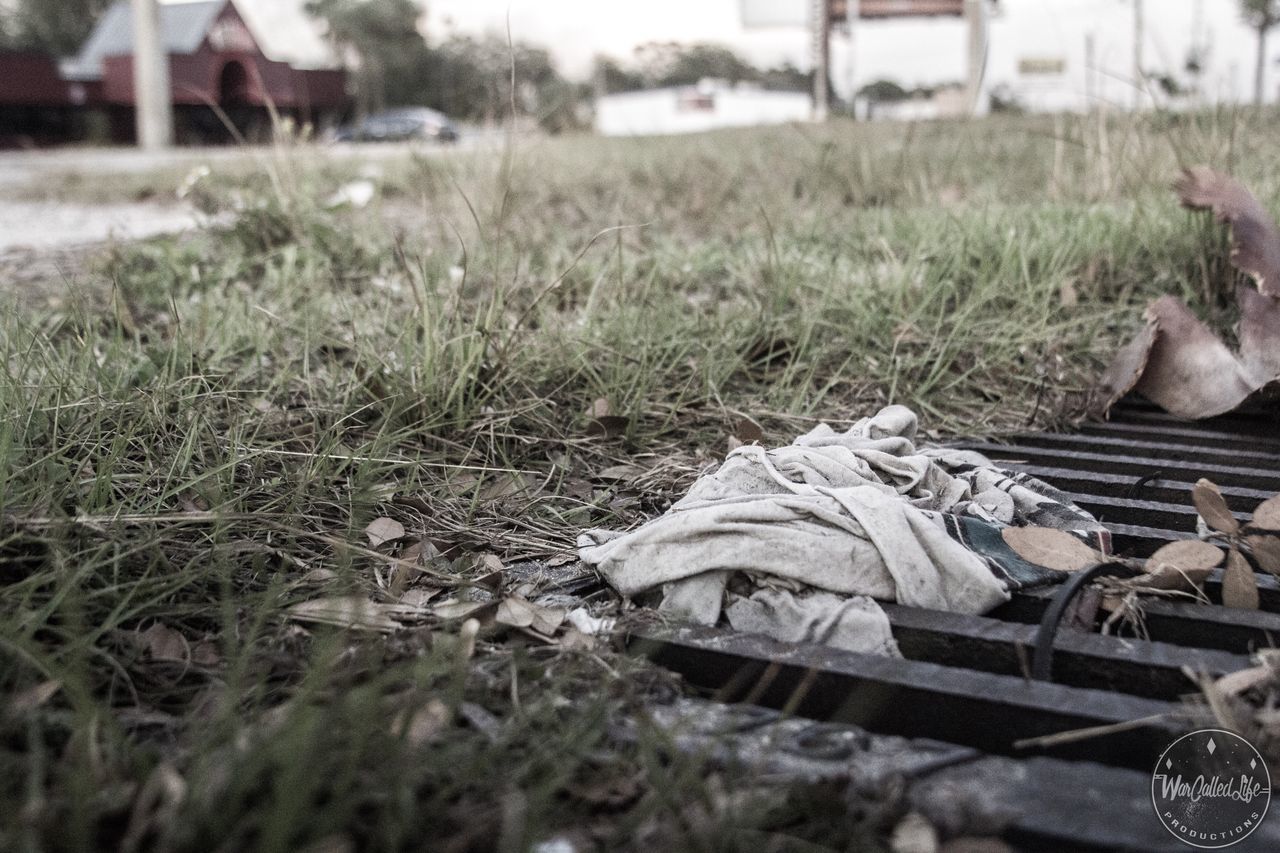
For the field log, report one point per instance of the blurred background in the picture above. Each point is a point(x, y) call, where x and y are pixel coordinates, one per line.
point(69, 69)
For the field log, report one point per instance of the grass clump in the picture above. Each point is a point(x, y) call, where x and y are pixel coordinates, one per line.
point(196, 431)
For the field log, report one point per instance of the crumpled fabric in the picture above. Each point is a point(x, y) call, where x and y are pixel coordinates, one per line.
point(799, 542)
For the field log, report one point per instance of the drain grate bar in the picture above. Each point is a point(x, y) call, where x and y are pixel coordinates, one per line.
point(1137, 466)
point(962, 678)
point(911, 698)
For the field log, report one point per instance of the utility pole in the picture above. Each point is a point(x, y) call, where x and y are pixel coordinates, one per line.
point(153, 102)
point(975, 13)
point(820, 21)
point(1139, 36)
point(1090, 72)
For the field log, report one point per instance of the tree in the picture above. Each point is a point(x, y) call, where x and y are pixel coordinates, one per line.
point(1261, 15)
point(57, 27)
point(673, 64)
point(611, 77)
point(883, 92)
point(381, 39)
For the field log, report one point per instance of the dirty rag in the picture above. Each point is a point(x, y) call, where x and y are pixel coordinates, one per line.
point(800, 542)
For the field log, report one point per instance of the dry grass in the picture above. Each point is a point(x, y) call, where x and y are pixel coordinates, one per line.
point(195, 434)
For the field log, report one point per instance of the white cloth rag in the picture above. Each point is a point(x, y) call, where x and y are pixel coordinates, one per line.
point(798, 542)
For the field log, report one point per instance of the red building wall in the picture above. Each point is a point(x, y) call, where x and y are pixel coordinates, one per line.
point(235, 71)
point(31, 79)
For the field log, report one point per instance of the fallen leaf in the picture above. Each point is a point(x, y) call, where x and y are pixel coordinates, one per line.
point(748, 431)
point(914, 834)
point(319, 577)
point(425, 724)
point(1050, 548)
point(1267, 515)
point(383, 530)
point(575, 640)
point(516, 612)
point(1190, 372)
point(492, 563)
point(205, 653)
point(164, 643)
point(1125, 370)
point(619, 473)
point(602, 420)
point(458, 609)
point(418, 598)
point(1255, 248)
point(1266, 550)
point(33, 697)
point(505, 486)
point(354, 612)
point(1239, 586)
point(1188, 555)
point(1213, 507)
point(547, 620)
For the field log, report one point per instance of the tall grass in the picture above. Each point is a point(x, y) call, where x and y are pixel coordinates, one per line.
point(195, 432)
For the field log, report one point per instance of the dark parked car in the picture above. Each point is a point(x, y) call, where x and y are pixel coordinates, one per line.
point(399, 126)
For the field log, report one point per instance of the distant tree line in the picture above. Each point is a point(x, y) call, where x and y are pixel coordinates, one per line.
point(465, 77)
point(663, 64)
point(57, 27)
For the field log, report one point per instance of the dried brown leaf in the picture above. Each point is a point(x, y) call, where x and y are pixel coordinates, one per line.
point(505, 486)
point(1213, 507)
point(457, 609)
point(354, 612)
point(32, 698)
point(1267, 515)
point(1255, 248)
point(1190, 555)
point(1125, 370)
point(547, 620)
point(575, 640)
point(748, 431)
point(417, 598)
point(424, 725)
point(1259, 335)
point(1266, 550)
point(1190, 373)
point(205, 653)
point(1239, 586)
point(164, 643)
point(383, 530)
point(1050, 548)
point(516, 612)
point(619, 473)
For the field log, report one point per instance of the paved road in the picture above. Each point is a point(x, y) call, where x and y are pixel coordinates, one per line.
point(29, 222)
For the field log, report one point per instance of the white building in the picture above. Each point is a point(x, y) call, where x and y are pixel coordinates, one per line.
point(692, 109)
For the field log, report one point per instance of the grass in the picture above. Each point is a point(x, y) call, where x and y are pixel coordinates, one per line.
point(196, 431)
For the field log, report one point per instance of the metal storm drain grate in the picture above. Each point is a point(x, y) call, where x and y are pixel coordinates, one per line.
point(949, 718)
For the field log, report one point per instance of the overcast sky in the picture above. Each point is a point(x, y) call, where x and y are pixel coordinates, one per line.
point(911, 52)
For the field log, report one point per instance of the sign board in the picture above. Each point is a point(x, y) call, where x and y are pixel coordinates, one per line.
point(775, 13)
point(909, 8)
point(795, 13)
point(1042, 66)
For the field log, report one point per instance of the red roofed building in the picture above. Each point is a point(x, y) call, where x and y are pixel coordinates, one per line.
point(217, 69)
